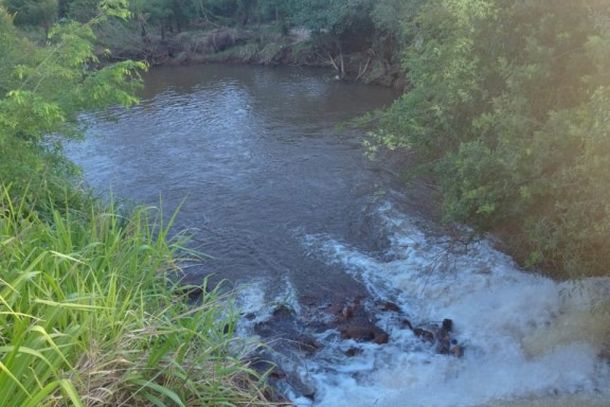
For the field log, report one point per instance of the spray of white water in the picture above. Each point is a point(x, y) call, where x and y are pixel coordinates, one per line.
point(529, 341)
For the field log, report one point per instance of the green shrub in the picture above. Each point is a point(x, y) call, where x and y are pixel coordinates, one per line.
point(33, 12)
point(43, 89)
point(509, 106)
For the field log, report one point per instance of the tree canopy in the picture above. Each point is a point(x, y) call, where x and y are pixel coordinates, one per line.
point(43, 89)
point(510, 107)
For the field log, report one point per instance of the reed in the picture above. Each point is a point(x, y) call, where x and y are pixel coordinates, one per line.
point(89, 314)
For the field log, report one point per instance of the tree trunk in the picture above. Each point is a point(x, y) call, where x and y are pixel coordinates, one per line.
point(62, 8)
point(142, 26)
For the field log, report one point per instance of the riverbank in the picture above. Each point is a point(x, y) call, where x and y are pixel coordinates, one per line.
point(253, 45)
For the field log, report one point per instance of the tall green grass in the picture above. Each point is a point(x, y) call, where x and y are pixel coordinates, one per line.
point(89, 317)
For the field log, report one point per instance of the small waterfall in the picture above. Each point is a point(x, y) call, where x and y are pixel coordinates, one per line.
point(528, 340)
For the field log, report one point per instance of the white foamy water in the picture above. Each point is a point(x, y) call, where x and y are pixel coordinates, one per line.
point(528, 340)
point(256, 301)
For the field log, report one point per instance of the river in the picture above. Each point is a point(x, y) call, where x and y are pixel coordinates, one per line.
point(277, 191)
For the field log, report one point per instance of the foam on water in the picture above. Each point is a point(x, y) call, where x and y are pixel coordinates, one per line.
point(525, 335)
point(255, 300)
point(257, 304)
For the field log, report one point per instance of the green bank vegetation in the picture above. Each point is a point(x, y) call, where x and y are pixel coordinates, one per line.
point(90, 312)
point(360, 39)
point(89, 317)
point(509, 108)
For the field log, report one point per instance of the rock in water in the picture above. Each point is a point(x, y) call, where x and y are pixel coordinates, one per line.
point(447, 325)
point(364, 331)
point(389, 307)
point(351, 352)
point(426, 336)
point(441, 336)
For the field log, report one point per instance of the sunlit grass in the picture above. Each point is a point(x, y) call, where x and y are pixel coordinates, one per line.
point(89, 316)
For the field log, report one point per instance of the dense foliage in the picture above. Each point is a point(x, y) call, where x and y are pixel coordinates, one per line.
point(32, 12)
point(353, 25)
point(42, 90)
point(510, 107)
point(350, 25)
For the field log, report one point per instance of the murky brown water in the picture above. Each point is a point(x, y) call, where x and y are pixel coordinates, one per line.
point(255, 155)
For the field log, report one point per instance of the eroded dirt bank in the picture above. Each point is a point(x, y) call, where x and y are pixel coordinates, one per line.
point(257, 45)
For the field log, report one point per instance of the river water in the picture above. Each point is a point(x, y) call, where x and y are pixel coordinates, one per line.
point(283, 200)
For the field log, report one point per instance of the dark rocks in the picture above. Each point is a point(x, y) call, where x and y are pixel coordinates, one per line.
point(457, 350)
point(357, 332)
point(388, 307)
point(259, 361)
point(381, 338)
point(274, 374)
point(441, 337)
point(447, 325)
point(267, 368)
point(308, 344)
point(351, 352)
point(283, 311)
point(277, 373)
point(287, 332)
point(291, 337)
point(192, 292)
point(424, 335)
point(273, 396)
point(347, 312)
point(443, 346)
point(364, 331)
point(354, 321)
point(406, 324)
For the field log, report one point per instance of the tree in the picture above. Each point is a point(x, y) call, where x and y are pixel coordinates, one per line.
point(391, 19)
point(33, 12)
point(509, 108)
point(82, 10)
point(340, 26)
point(43, 89)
